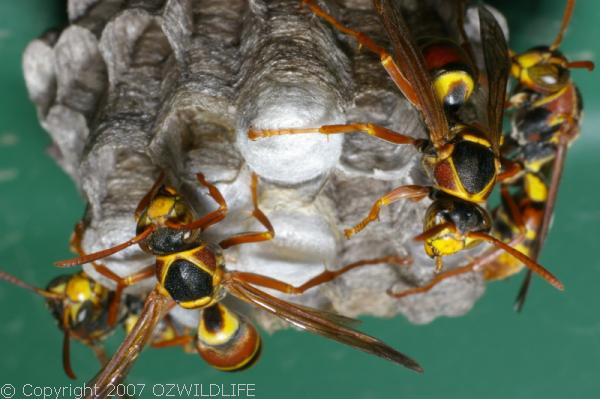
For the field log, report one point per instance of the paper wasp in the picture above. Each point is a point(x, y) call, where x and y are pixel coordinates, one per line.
point(546, 120)
point(79, 305)
point(462, 160)
point(517, 222)
point(192, 274)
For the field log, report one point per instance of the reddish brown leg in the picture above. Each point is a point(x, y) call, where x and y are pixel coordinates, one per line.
point(250, 237)
point(527, 261)
point(210, 218)
point(412, 192)
point(367, 128)
point(515, 213)
point(180, 340)
point(363, 40)
point(121, 284)
point(435, 281)
point(103, 253)
point(66, 356)
point(100, 353)
point(143, 204)
point(510, 170)
point(322, 278)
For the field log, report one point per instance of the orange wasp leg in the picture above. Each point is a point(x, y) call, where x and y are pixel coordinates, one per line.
point(363, 40)
point(121, 282)
point(210, 218)
point(319, 279)
point(410, 192)
point(510, 170)
point(367, 128)
point(251, 237)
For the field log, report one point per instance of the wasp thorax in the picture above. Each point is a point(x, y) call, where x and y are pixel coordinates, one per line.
point(225, 340)
point(542, 70)
point(83, 309)
point(189, 284)
point(462, 217)
point(469, 168)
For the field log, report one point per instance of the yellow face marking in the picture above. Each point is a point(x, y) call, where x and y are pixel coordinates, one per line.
point(160, 207)
point(445, 243)
point(80, 289)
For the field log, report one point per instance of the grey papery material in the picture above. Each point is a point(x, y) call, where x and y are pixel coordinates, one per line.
point(131, 88)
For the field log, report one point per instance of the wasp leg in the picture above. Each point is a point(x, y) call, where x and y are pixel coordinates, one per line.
point(319, 279)
point(121, 282)
point(515, 213)
point(250, 237)
point(367, 128)
point(66, 355)
point(363, 40)
point(510, 170)
point(210, 218)
point(144, 202)
point(435, 281)
point(100, 353)
point(411, 192)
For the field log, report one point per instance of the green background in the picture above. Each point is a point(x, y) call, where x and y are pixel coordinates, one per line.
point(550, 351)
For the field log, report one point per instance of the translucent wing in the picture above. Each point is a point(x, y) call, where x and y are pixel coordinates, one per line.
point(557, 169)
point(497, 66)
point(318, 322)
point(409, 59)
point(115, 371)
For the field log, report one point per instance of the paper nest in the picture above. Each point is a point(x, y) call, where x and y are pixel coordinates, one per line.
point(175, 85)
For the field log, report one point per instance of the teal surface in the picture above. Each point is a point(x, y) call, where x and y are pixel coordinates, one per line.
point(552, 350)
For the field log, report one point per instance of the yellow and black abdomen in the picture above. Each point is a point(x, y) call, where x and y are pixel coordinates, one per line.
point(451, 73)
point(226, 340)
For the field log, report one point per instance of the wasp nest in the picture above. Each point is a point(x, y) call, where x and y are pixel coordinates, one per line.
point(130, 88)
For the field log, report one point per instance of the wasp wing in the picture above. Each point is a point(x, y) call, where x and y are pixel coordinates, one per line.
point(115, 371)
point(409, 59)
point(557, 170)
point(318, 322)
point(497, 66)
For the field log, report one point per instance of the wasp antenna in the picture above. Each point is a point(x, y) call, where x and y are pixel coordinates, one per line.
point(105, 252)
point(20, 283)
point(589, 65)
point(568, 13)
point(427, 234)
point(67, 356)
point(527, 261)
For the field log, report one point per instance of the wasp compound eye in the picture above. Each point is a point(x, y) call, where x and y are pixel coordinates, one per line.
point(186, 282)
